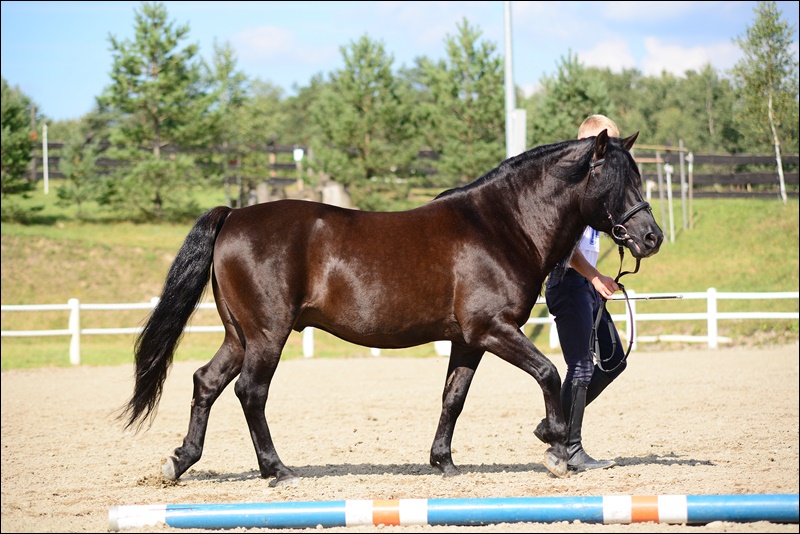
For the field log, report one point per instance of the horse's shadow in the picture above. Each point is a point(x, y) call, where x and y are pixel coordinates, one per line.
point(328, 470)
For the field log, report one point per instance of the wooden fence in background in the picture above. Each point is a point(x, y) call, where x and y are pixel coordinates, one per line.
point(722, 174)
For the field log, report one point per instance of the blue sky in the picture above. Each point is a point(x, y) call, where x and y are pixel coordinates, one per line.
point(58, 52)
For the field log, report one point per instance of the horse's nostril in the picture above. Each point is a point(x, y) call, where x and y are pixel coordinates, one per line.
point(652, 240)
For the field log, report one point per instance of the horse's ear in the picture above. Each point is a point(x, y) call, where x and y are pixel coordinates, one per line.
point(600, 144)
point(628, 141)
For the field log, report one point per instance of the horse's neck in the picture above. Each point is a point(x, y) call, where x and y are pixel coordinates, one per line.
point(547, 212)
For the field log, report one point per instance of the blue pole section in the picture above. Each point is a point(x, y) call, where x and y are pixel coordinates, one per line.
point(776, 508)
point(257, 515)
point(514, 510)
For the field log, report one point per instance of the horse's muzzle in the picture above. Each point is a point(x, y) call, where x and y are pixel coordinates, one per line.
point(646, 246)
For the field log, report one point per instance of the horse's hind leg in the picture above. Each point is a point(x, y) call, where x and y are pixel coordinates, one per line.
point(209, 382)
point(463, 363)
point(252, 388)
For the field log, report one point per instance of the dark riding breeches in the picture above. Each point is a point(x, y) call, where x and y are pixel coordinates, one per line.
point(574, 302)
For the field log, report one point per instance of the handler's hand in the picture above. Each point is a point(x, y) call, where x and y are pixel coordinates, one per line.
point(605, 285)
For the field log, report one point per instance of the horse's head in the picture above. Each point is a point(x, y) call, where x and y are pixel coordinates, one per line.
point(618, 209)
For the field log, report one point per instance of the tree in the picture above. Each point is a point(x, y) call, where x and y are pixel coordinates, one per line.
point(262, 119)
point(17, 140)
point(767, 76)
point(464, 107)
point(299, 125)
point(223, 123)
point(624, 90)
point(365, 126)
point(568, 97)
point(78, 161)
point(706, 103)
point(161, 93)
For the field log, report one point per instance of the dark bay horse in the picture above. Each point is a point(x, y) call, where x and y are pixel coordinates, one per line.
point(466, 267)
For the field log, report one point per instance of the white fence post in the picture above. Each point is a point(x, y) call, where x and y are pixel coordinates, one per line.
point(75, 331)
point(712, 318)
point(308, 342)
point(553, 333)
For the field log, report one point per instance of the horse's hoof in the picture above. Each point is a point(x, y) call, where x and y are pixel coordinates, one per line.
point(555, 465)
point(288, 481)
point(451, 472)
point(168, 468)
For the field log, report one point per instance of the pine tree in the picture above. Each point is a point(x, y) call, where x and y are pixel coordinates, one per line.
point(78, 164)
point(568, 97)
point(17, 142)
point(160, 91)
point(364, 119)
point(465, 107)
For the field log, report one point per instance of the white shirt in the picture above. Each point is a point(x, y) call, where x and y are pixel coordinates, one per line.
point(589, 245)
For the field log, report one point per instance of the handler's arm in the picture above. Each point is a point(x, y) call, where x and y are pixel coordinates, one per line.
point(605, 285)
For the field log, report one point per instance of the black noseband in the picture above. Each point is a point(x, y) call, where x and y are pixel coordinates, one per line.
point(618, 231)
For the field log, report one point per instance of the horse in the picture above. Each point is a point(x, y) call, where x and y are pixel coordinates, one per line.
point(467, 267)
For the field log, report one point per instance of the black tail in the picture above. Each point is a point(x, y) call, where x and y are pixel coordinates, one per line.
point(183, 289)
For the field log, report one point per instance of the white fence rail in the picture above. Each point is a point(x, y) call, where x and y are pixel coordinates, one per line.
point(711, 316)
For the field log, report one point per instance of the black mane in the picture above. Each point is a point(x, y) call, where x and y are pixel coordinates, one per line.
point(567, 161)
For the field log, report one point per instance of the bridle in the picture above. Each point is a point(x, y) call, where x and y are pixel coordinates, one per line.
point(618, 231)
point(620, 236)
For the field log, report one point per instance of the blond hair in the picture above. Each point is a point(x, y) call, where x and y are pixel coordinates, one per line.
point(595, 124)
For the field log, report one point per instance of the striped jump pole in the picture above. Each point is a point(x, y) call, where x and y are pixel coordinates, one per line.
point(618, 509)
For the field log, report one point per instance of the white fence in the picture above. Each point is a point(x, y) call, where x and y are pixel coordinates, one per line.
point(711, 316)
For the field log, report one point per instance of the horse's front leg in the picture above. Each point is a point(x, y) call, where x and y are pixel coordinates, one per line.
point(209, 382)
point(507, 341)
point(463, 362)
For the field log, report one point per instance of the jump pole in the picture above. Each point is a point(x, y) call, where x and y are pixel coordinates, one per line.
point(611, 509)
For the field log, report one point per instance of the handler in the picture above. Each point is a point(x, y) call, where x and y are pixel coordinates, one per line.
point(573, 292)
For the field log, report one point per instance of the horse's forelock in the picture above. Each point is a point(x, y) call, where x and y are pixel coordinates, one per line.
point(618, 175)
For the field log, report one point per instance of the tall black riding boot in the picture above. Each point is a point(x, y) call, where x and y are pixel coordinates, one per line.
point(599, 382)
point(578, 458)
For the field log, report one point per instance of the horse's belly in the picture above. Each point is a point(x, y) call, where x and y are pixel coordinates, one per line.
point(379, 328)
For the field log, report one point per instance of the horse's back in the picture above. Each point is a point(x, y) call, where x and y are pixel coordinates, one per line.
point(309, 225)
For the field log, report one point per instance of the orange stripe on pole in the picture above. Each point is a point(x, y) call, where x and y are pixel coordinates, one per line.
point(644, 508)
point(386, 512)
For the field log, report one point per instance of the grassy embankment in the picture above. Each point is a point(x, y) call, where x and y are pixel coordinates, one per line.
point(735, 245)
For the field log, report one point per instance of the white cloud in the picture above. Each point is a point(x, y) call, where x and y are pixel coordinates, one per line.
point(613, 53)
point(677, 59)
point(634, 11)
point(272, 45)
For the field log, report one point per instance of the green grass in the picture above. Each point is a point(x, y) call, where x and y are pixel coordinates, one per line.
point(736, 245)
